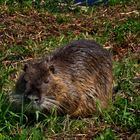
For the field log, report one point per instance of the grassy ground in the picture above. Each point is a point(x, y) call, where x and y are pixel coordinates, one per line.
point(27, 33)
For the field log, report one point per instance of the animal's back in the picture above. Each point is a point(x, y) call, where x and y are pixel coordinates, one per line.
point(87, 69)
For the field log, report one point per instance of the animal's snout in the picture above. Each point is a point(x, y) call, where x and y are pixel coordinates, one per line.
point(32, 98)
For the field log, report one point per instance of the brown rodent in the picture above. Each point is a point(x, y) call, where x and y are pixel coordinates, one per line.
point(74, 80)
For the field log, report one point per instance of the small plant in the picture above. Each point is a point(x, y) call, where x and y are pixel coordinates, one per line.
point(107, 134)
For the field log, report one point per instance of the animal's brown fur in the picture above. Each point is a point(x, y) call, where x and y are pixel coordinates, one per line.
point(73, 79)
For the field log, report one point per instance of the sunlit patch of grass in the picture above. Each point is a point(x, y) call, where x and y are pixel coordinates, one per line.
point(126, 108)
point(124, 30)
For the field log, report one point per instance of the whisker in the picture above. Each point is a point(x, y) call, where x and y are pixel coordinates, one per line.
point(51, 103)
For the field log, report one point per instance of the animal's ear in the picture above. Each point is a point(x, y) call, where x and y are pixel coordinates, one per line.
point(52, 69)
point(26, 66)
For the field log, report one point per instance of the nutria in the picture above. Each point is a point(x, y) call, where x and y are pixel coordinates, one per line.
point(73, 79)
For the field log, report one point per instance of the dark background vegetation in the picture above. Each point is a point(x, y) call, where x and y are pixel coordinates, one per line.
point(31, 30)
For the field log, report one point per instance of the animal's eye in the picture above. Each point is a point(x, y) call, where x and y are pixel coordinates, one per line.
point(46, 81)
point(52, 69)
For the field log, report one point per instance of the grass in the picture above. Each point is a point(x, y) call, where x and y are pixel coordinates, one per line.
point(29, 33)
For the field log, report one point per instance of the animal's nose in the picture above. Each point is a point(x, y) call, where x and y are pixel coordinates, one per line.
point(32, 98)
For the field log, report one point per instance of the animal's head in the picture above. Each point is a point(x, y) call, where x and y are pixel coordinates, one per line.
point(36, 87)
